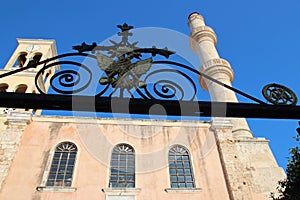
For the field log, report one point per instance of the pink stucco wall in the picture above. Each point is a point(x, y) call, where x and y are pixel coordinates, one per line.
point(151, 142)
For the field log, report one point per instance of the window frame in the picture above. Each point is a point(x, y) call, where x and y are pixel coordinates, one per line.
point(117, 160)
point(192, 174)
point(43, 187)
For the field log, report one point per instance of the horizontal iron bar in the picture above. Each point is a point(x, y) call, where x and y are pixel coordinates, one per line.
point(144, 106)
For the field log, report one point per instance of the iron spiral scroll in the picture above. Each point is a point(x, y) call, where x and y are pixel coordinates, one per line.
point(68, 80)
point(144, 87)
point(124, 70)
point(162, 82)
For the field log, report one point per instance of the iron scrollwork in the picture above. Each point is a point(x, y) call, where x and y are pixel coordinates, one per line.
point(126, 71)
point(134, 71)
point(67, 81)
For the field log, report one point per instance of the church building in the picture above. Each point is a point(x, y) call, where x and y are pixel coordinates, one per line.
point(65, 157)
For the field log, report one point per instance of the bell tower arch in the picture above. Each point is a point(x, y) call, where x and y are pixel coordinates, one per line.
point(28, 51)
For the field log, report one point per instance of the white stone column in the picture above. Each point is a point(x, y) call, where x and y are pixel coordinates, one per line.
point(203, 41)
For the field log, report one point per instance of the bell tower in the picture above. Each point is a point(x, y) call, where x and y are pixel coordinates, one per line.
point(28, 51)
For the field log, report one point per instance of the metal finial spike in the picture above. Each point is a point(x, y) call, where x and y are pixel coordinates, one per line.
point(125, 27)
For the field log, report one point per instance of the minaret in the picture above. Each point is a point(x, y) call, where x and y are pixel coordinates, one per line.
point(28, 51)
point(249, 167)
point(203, 41)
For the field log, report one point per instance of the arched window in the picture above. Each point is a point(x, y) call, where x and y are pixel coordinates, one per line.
point(21, 88)
point(122, 172)
point(181, 174)
point(62, 166)
point(3, 87)
point(21, 59)
point(36, 58)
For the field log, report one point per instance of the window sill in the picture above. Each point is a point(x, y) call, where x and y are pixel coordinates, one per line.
point(182, 190)
point(55, 189)
point(121, 191)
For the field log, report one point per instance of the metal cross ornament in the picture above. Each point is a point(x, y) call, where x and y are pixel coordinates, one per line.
point(121, 71)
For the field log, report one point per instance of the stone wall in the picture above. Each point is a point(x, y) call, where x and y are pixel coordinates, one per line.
point(249, 167)
point(260, 165)
point(12, 127)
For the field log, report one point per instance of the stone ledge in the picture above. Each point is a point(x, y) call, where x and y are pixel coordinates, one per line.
point(182, 190)
point(261, 140)
point(215, 67)
point(202, 33)
point(55, 189)
point(19, 117)
point(123, 121)
point(121, 191)
point(221, 123)
point(22, 73)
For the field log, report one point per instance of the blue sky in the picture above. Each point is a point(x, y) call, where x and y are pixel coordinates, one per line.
point(259, 38)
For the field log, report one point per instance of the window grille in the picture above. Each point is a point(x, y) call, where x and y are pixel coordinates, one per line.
point(181, 174)
point(62, 167)
point(122, 174)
